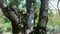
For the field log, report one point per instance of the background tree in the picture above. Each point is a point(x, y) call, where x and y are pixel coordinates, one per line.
point(58, 6)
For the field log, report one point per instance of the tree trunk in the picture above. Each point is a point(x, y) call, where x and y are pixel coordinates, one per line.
point(14, 19)
point(43, 18)
point(8, 12)
point(30, 5)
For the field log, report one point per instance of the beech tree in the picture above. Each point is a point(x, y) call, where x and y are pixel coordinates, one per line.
point(16, 17)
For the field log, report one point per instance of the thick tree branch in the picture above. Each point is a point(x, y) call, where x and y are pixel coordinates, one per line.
point(30, 5)
point(12, 16)
point(43, 18)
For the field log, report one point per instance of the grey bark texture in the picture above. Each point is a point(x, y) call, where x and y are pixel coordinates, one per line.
point(12, 16)
point(43, 18)
point(12, 13)
point(30, 5)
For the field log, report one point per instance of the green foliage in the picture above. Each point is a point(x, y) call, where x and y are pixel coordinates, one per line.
point(49, 15)
point(5, 24)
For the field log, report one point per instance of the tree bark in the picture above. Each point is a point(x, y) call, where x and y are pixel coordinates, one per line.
point(43, 18)
point(8, 12)
point(30, 5)
point(14, 20)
